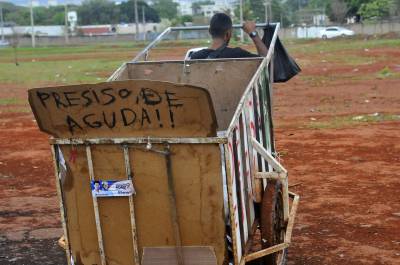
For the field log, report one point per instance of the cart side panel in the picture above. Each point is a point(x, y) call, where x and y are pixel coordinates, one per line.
point(225, 80)
point(198, 186)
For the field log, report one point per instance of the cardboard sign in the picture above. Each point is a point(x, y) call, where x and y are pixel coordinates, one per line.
point(124, 109)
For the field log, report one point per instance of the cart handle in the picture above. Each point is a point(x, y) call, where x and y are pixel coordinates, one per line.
point(159, 38)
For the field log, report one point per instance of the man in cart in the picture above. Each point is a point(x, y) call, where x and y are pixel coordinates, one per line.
point(221, 33)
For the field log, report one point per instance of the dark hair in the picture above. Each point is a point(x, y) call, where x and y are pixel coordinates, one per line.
point(220, 23)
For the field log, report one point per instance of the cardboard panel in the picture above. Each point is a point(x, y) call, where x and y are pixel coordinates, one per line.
point(225, 80)
point(124, 109)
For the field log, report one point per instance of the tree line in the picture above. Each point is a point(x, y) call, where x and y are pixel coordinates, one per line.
point(289, 12)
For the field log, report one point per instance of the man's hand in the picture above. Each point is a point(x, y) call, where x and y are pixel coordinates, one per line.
point(249, 26)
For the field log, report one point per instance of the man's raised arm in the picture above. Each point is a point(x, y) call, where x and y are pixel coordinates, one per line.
point(250, 28)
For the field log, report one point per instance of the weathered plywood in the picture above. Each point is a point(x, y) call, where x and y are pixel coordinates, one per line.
point(225, 80)
point(191, 256)
point(196, 171)
point(124, 109)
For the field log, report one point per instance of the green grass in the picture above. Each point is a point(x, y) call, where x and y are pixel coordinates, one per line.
point(333, 45)
point(57, 72)
point(11, 101)
point(348, 121)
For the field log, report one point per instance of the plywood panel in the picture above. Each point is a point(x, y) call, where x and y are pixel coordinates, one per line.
point(198, 186)
point(124, 109)
point(225, 80)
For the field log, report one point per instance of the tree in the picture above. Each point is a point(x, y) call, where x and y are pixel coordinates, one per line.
point(338, 10)
point(376, 9)
point(98, 12)
point(166, 8)
point(127, 12)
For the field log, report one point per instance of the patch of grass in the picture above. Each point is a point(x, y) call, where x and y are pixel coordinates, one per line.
point(313, 46)
point(57, 72)
point(348, 121)
point(11, 101)
point(386, 72)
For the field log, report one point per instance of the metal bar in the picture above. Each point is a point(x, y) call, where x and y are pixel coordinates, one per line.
point(116, 74)
point(170, 29)
point(96, 208)
point(61, 203)
point(140, 140)
point(205, 27)
point(131, 208)
point(253, 80)
point(152, 44)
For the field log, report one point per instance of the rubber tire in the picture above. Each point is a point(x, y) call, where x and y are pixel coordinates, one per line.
point(271, 197)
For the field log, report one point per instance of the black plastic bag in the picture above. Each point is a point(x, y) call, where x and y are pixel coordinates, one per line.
point(284, 66)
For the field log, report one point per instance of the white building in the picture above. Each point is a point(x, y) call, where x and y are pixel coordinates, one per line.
point(185, 7)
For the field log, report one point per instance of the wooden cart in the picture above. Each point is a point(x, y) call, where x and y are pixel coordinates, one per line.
point(195, 139)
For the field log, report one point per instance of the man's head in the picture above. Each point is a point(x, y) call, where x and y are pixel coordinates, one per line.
point(221, 27)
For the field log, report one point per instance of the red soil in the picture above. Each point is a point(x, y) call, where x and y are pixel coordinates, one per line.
point(347, 176)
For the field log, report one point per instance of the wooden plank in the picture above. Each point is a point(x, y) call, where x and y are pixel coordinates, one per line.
point(265, 252)
point(60, 197)
point(139, 140)
point(124, 109)
point(243, 206)
point(267, 156)
point(280, 169)
point(233, 209)
point(293, 211)
point(251, 132)
point(193, 255)
point(96, 208)
point(246, 158)
point(128, 172)
point(270, 175)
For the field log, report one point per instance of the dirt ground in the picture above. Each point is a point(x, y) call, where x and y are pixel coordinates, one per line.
point(337, 131)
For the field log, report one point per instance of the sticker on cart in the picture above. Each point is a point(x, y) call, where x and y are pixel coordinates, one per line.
point(111, 188)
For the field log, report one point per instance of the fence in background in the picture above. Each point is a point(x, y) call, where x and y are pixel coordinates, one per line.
point(359, 29)
point(285, 33)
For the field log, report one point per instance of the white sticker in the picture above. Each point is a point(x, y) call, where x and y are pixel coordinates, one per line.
point(111, 188)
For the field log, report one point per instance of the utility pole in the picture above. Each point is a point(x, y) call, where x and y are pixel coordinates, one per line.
point(144, 23)
point(66, 23)
point(2, 22)
point(136, 20)
point(241, 21)
point(32, 27)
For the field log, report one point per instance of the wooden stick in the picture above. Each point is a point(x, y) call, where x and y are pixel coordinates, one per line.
point(131, 208)
point(280, 169)
point(289, 229)
point(140, 140)
point(265, 252)
point(271, 175)
point(174, 211)
point(96, 208)
point(54, 150)
point(267, 156)
point(231, 207)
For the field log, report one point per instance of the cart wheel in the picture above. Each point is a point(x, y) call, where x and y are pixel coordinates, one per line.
point(272, 222)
